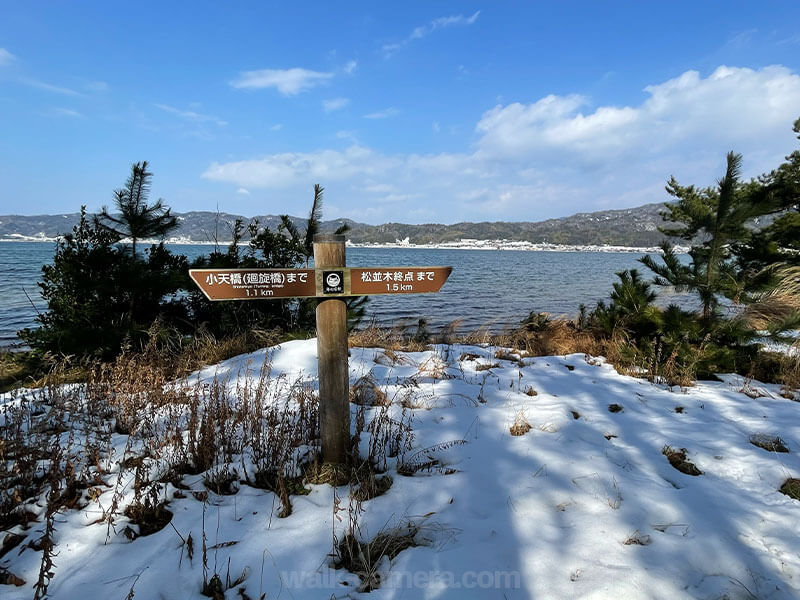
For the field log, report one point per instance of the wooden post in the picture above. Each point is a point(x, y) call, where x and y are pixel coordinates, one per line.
point(334, 382)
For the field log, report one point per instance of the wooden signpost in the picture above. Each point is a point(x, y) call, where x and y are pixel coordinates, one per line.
point(330, 281)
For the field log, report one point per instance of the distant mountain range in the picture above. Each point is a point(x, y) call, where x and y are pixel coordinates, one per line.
point(627, 227)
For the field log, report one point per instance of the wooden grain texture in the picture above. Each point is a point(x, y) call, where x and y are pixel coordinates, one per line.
point(334, 409)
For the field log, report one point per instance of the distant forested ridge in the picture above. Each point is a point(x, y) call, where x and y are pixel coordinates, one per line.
point(626, 227)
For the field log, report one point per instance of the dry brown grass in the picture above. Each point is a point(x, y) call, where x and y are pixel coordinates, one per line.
point(557, 336)
point(396, 339)
point(520, 426)
point(255, 429)
point(364, 557)
point(778, 304)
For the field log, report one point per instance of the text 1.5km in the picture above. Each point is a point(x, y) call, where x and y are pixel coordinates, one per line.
point(399, 287)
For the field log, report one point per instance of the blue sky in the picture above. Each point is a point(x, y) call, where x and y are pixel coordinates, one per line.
point(407, 111)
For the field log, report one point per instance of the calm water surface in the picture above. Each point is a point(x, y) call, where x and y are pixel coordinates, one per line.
point(487, 287)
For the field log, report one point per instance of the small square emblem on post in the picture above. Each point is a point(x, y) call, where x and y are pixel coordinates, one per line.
point(333, 282)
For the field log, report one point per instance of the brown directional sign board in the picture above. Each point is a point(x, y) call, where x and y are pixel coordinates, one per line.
point(269, 284)
point(367, 281)
point(255, 284)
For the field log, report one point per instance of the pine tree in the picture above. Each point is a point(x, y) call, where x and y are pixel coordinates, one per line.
point(137, 219)
point(716, 217)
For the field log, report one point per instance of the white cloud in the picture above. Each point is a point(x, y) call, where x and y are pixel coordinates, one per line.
point(350, 67)
point(427, 29)
point(556, 155)
point(276, 127)
point(441, 23)
point(290, 168)
point(383, 114)
point(190, 115)
point(334, 104)
point(98, 87)
point(6, 58)
point(732, 107)
point(66, 112)
point(288, 82)
point(349, 136)
point(243, 191)
point(47, 87)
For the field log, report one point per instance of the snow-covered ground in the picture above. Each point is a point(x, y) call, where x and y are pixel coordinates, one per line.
point(582, 505)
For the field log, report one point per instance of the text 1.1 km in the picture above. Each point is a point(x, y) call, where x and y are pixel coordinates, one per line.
point(258, 292)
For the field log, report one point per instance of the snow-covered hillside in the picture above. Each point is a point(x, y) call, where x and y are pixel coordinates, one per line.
point(582, 502)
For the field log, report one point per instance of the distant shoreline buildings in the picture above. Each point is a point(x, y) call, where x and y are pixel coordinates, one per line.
point(462, 244)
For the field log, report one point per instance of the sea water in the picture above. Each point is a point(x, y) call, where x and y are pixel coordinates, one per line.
point(494, 288)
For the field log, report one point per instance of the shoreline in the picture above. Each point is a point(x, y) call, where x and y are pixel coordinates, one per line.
point(463, 244)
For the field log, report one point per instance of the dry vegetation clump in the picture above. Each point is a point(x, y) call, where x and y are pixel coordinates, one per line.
point(371, 487)
point(364, 557)
point(366, 392)
point(394, 339)
point(770, 443)
point(677, 458)
point(206, 349)
point(509, 356)
point(487, 366)
point(791, 487)
point(546, 337)
point(789, 373)
point(554, 337)
point(520, 426)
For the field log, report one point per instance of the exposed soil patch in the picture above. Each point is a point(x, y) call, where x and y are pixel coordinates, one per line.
point(677, 458)
point(224, 483)
point(8, 578)
point(150, 519)
point(16, 517)
point(282, 487)
point(770, 443)
point(10, 541)
point(615, 408)
point(791, 487)
point(372, 487)
point(487, 366)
